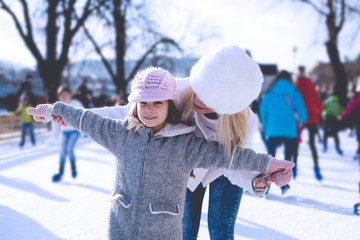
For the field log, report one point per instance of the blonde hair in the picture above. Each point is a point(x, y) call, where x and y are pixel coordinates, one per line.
point(231, 128)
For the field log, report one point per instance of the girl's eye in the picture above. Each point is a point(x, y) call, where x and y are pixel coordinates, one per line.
point(158, 102)
point(142, 103)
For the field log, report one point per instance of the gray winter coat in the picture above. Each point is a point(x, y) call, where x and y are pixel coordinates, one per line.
point(152, 171)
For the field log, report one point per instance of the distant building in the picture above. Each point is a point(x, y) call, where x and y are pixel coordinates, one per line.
point(269, 71)
point(323, 75)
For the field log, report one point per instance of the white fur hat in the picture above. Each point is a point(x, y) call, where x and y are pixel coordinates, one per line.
point(226, 80)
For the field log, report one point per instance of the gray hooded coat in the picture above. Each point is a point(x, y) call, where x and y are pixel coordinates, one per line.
point(152, 171)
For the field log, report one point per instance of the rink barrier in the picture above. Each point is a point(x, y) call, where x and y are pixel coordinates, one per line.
point(10, 127)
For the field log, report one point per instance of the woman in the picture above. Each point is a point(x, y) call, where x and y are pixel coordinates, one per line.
point(277, 115)
point(313, 106)
point(221, 86)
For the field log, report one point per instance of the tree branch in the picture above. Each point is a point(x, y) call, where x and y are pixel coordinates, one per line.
point(28, 39)
point(163, 40)
point(98, 51)
point(342, 16)
point(319, 10)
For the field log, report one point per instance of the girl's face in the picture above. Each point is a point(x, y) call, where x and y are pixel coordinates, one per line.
point(200, 107)
point(153, 114)
point(65, 97)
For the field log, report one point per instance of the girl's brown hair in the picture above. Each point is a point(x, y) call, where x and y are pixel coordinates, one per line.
point(172, 117)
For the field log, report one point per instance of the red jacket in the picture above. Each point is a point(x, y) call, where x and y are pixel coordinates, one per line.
point(311, 98)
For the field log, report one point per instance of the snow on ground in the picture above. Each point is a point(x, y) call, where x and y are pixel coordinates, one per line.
point(32, 207)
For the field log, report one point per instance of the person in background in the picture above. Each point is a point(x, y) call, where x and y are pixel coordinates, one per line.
point(331, 112)
point(351, 116)
point(26, 88)
point(90, 99)
point(26, 119)
point(313, 106)
point(101, 100)
point(278, 107)
point(69, 136)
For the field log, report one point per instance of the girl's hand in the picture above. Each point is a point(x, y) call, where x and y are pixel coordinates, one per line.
point(59, 121)
point(279, 172)
point(42, 112)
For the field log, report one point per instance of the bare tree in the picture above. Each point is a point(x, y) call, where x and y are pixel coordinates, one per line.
point(336, 14)
point(60, 29)
point(115, 14)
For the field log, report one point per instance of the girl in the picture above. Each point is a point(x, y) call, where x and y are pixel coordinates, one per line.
point(277, 108)
point(69, 136)
point(155, 157)
point(26, 119)
point(331, 112)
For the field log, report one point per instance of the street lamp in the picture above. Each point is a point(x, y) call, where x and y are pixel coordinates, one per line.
point(294, 59)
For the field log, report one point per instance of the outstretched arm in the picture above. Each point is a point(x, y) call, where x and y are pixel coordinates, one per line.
point(100, 129)
point(202, 154)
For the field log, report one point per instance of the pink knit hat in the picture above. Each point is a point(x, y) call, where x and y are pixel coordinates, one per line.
point(153, 84)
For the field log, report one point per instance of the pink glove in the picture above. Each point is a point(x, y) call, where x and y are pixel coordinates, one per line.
point(42, 112)
point(279, 172)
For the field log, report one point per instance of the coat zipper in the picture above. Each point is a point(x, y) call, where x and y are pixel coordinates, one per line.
point(140, 191)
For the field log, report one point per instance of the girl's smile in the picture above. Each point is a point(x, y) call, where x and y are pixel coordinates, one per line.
point(153, 114)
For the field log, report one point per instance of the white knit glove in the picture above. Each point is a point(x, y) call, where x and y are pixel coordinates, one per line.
point(42, 112)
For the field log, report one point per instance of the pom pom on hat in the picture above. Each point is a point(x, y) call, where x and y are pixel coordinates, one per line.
point(226, 80)
point(153, 84)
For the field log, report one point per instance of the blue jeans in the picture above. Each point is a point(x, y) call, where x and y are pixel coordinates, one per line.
point(67, 145)
point(224, 203)
point(24, 126)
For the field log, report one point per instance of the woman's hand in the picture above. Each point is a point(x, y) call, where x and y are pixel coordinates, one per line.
point(279, 172)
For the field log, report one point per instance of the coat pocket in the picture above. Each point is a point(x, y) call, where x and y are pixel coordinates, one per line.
point(167, 208)
point(123, 200)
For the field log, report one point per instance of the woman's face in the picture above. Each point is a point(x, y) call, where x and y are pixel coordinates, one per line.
point(200, 107)
point(153, 114)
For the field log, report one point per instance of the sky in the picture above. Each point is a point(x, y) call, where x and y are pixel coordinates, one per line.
point(280, 32)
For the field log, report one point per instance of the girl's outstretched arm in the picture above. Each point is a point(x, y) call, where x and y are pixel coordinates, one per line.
point(211, 155)
point(98, 128)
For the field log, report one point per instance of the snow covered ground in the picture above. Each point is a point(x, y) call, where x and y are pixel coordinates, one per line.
point(32, 207)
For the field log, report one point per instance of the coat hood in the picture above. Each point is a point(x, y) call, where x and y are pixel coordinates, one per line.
point(304, 82)
point(333, 98)
point(171, 130)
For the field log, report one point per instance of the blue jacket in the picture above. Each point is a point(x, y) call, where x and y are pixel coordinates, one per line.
point(276, 115)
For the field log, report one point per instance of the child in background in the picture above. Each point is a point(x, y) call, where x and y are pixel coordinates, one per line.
point(331, 112)
point(155, 156)
point(69, 136)
point(26, 119)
